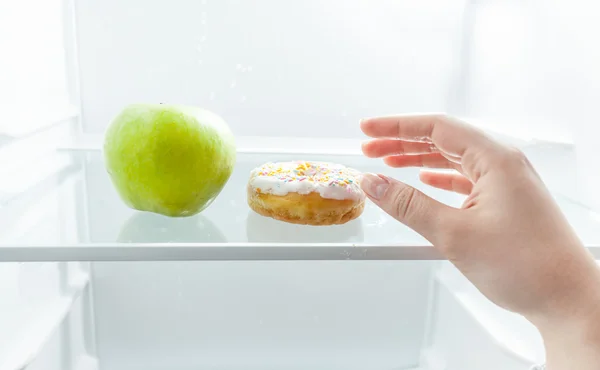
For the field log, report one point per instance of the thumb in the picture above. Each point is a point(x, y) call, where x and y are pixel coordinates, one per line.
point(406, 204)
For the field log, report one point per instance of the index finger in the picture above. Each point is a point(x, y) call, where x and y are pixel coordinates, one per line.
point(448, 134)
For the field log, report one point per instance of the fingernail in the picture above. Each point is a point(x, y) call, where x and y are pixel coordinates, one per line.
point(374, 185)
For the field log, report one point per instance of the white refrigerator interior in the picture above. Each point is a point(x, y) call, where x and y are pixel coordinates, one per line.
point(87, 283)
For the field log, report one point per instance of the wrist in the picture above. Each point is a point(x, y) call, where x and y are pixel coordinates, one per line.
point(573, 345)
point(571, 327)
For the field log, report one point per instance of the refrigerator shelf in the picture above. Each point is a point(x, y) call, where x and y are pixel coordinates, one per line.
point(78, 216)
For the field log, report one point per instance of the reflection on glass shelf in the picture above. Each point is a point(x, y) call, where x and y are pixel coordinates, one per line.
point(81, 208)
point(145, 227)
point(262, 229)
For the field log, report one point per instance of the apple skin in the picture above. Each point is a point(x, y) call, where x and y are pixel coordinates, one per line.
point(172, 160)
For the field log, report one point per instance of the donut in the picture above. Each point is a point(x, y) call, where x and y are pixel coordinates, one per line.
point(307, 193)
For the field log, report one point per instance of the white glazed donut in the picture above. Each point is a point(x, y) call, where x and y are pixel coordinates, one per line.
point(310, 193)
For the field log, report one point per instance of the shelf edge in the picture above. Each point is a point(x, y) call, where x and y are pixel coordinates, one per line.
point(217, 252)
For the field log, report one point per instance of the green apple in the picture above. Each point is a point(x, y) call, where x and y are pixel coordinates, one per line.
point(172, 160)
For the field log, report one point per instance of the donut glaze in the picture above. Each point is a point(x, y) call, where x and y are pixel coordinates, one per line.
point(330, 180)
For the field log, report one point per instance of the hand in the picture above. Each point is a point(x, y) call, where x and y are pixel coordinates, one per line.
point(509, 238)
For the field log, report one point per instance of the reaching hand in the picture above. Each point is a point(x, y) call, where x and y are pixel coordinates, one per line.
point(509, 238)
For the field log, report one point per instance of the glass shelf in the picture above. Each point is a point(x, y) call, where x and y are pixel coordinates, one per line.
point(77, 215)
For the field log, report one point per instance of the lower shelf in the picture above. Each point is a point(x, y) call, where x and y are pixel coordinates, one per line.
point(45, 328)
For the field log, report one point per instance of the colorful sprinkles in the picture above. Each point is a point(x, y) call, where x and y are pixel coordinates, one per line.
point(307, 176)
point(330, 180)
point(308, 171)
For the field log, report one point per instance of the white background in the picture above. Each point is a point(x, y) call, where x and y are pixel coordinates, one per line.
point(310, 68)
point(277, 68)
point(314, 68)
